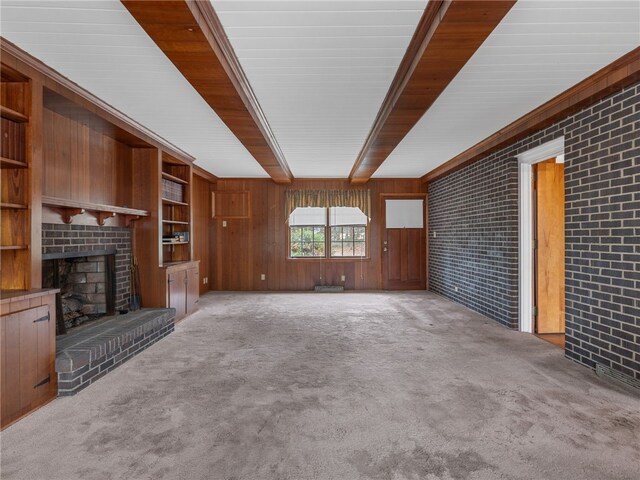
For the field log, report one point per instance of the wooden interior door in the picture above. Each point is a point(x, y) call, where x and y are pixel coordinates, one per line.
point(550, 251)
point(403, 256)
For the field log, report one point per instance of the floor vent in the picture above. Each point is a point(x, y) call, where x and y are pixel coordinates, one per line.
point(616, 376)
point(329, 288)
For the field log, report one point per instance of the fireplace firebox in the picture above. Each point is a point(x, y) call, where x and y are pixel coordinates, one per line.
point(87, 284)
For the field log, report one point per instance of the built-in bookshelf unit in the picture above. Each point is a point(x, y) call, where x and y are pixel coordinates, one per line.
point(67, 157)
point(176, 210)
point(15, 177)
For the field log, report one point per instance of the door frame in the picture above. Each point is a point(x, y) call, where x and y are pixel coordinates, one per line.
point(526, 277)
point(383, 227)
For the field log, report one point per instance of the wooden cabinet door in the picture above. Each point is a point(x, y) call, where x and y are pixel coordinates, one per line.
point(26, 361)
point(177, 289)
point(46, 380)
point(193, 288)
point(11, 391)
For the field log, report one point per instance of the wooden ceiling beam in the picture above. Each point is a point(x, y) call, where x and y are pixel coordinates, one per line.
point(623, 72)
point(192, 37)
point(447, 36)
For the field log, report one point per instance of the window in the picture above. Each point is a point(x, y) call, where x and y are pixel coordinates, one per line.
point(327, 232)
point(404, 213)
point(348, 232)
point(307, 228)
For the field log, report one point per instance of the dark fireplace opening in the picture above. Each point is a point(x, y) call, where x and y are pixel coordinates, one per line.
point(87, 286)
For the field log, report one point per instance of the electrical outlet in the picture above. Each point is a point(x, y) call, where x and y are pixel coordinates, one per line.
point(205, 280)
point(263, 277)
point(224, 223)
point(434, 234)
point(343, 278)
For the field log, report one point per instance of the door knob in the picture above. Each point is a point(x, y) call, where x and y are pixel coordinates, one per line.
point(384, 249)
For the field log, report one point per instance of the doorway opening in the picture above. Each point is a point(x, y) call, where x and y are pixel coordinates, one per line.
point(549, 251)
point(542, 243)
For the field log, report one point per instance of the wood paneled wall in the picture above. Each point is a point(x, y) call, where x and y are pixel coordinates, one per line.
point(249, 247)
point(83, 164)
point(202, 229)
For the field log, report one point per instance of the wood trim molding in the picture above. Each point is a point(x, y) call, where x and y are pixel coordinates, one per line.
point(241, 82)
point(53, 80)
point(447, 36)
point(191, 35)
point(407, 66)
point(615, 76)
point(202, 173)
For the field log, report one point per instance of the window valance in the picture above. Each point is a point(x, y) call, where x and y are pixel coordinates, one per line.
point(327, 198)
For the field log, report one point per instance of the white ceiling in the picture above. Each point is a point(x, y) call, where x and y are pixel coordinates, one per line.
point(100, 46)
point(320, 70)
point(540, 49)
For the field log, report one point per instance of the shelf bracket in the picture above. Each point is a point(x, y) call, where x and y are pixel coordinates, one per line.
point(130, 218)
point(103, 216)
point(67, 214)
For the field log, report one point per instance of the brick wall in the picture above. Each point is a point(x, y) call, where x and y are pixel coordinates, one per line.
point(91, 354)
point(474, 215)
point(473, 258)
point(602, 186)
point(87, 280)
point(57, 238)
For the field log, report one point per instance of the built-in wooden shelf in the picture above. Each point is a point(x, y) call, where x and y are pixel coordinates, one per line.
point(66, 203)
point(174, 202)
point(175, 222)
point(70, 208)
point(11, 163)
point(13, 206)
point(173, 178)
point(17, 258)
point(176, 210)
point(13, 247)
point(13, 115)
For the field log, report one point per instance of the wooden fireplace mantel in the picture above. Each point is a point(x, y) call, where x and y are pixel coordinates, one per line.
point(70, 208)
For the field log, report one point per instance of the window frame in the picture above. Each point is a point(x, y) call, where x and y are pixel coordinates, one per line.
point(327, 239)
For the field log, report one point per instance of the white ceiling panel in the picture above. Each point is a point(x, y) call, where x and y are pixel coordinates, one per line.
point(540, 49)
point(101, 47)
point(302, 15)
point(328, 31)
point(320, 70)
point(316, 5)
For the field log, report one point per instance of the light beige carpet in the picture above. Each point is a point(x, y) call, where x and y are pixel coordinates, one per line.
point(335, 386)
